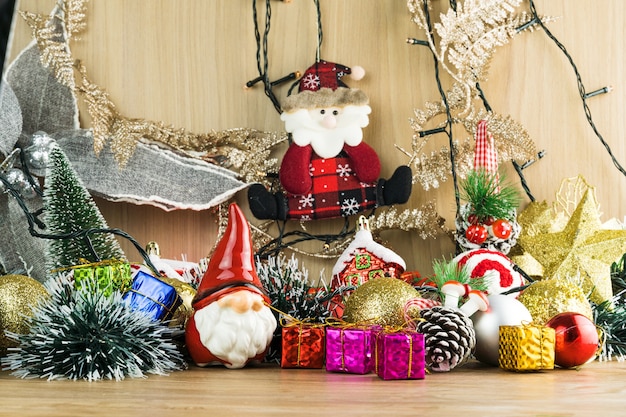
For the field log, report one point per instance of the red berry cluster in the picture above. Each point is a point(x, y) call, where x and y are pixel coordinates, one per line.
point(478, 231)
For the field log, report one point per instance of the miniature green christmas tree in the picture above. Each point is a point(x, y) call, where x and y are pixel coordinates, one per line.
point(70, 209)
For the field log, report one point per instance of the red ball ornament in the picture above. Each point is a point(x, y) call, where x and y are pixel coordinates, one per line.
point(576, 339)
point(476, 233)
point(501, 229)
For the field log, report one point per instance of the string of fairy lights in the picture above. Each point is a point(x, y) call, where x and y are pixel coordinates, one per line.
point(535, 20)
point(17, 180)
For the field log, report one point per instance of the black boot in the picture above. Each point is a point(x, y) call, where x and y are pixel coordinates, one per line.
point(266, 206)
point(397, 189)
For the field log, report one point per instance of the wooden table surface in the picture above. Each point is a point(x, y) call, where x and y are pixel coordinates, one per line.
point(597, 389)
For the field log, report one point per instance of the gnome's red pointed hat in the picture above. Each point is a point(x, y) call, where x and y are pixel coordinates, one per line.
point(322, 86)
point(231, 267)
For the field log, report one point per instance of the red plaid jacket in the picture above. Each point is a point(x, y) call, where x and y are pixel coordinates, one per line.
point(335, 190)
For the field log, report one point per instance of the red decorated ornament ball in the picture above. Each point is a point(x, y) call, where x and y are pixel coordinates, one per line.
point(501, 228)
point(476, 233)
point(576, 339)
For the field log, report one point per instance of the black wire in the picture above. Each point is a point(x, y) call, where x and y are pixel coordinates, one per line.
point(257, 36)
point(31, 180)
point(279, 243)
point(442, 93)
point(84, 234)
point(581, 87)
point(481, 94)
point(262, 52)
point(320, 34)
point(518, 169)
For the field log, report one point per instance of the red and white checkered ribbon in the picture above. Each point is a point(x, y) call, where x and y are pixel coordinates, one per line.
point(420, 304)
point(485, 155)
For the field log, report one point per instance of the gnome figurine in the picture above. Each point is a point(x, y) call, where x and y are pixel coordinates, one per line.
point(230, 325)
point(328, 171)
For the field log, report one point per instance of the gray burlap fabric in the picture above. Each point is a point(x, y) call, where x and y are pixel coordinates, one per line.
point(152, 176)
point(36, 101)
point(31, 100)
point(46, 104)
point(19, 251)
point(10, 120)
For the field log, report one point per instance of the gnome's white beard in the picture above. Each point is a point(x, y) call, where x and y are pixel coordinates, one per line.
point(306, 129)
point(234, 337)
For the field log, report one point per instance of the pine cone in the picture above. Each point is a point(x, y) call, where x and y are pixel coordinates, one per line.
point(449, 337)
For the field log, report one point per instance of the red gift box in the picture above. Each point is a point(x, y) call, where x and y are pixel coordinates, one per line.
point(400, 355)
point(303, 346)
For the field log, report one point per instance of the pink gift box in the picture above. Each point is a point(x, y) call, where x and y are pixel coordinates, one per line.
point(400, 355)
point(350, 350)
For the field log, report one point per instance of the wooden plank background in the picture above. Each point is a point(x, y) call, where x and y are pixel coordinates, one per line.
point(185, 63)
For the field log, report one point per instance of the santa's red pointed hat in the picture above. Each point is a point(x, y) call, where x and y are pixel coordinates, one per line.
point(231, 267)
point(322, 86)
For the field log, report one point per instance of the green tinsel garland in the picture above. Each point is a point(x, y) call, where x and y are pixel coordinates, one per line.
point(82, 334)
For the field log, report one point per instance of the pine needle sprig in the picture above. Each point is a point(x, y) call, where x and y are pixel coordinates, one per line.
point(289, 289)
point(82, 334)
point(290, 292)
point(489, 195)
point(618, 277)
point(445, 271)
point(610, 317)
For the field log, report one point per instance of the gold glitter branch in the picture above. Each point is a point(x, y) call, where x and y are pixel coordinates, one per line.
point(75, 13)
point(100, 108)
point(55, 54)
point(245, 150)
point(425, 222)
point(469, 35)
point(510, 137)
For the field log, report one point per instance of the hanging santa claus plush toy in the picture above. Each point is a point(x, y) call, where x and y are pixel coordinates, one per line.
point(231, 324)
point(328, 171)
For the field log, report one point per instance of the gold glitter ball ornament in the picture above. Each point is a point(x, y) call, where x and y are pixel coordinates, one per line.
point(18, 295)
point(379, 301)
point(549, 297)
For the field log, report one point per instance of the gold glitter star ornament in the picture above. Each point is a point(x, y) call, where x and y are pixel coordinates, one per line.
point(581, 248)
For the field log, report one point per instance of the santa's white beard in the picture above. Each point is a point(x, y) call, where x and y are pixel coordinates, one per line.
point(235, 337)
point(327, 142)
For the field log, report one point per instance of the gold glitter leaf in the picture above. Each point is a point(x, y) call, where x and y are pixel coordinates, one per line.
point(425, 222)
point(431, 170)
point(74, 12)
point(511, 138)
point(54, 50)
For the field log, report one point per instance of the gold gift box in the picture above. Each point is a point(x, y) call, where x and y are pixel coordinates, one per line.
point(526, 347)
